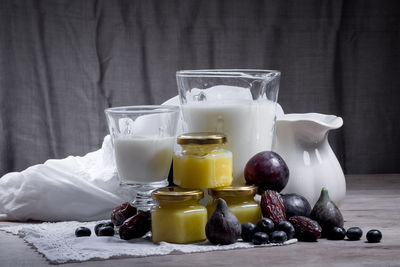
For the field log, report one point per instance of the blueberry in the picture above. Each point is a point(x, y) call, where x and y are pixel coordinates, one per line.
point(82, 231)
point(278, 237)
point(97, 227)
point(260, 238)
point(265, 225)
point(106, 231)
point(336, 233)
point(354, 233)
point(374, 236)
point(287, 227)
point(248, 230)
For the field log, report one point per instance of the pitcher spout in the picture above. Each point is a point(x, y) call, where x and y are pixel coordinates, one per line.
point(310, 128)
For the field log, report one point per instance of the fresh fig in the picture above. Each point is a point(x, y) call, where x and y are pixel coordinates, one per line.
point(296, 205)
point(326, 213)
point(223, 227)
point(267, 170)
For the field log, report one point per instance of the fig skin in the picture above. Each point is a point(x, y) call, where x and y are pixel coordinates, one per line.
point(223, 227)
point(267, 170)
point(326, 213)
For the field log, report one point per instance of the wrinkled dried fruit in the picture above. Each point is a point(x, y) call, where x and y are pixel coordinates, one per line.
point(122, 213)
point(306, 228)
point(272, 206)
point(136, 226)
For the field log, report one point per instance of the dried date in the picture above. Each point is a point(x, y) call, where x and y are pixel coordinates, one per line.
point(272, 206)
point(306, 228)
point(136, 226)
point(122, 212)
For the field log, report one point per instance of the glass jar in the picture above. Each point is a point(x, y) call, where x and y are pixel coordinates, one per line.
point(240, 200)
point(202, 161)
point(178, 217)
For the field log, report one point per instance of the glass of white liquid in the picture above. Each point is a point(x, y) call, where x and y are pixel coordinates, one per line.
point(239, 103)
point(143, 139)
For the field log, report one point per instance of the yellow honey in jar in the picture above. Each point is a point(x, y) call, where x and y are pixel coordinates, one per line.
point(178, 217)
point(202, 162)
point(240, 200)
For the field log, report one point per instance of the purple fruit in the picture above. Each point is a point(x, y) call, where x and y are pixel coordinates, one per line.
point(296, 205)
point(267, 170)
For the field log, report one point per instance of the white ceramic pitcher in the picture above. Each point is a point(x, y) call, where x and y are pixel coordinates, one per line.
point(302, 141)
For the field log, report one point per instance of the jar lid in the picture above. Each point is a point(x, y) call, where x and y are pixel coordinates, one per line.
point(202, 138)
point(233, 191)
point(174, 193)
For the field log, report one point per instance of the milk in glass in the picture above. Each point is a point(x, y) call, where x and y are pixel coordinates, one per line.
point(143, 159)
point(248, 124)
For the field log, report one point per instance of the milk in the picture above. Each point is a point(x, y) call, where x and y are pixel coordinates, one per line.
point(248, 124)
point(143, 159)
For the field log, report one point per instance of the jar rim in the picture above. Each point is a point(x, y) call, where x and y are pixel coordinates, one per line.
point(202, 138)
point(177, 194)
point(233, 191)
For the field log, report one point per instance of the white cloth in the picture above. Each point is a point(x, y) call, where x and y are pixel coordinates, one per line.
point(57, 242)
point(75, 188)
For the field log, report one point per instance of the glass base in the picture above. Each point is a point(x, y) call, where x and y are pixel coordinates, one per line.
point(143, 200)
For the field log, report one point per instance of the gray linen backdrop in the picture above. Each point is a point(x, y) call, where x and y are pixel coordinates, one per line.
point(63, 61)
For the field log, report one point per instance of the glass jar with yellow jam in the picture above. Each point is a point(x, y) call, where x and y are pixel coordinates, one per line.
point(240, 200)
point(202, 161)
point(178, 217)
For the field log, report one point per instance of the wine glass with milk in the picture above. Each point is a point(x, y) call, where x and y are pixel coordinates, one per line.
point(143, 138)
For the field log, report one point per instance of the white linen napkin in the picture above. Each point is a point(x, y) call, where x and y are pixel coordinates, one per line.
point(57, 242)
point(75, 188)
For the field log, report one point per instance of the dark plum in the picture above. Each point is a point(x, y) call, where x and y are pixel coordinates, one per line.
point(260, 238)
point(248, 230)
point(106, 231)
point(336, 233)
point(354, 233)
point(265, 225)
point(267, 170)
point(97, 227)
point(374, 236)
point(122, 213)
point(296, 205)
point(278, 237)
point(287, 227)
point(82, 231)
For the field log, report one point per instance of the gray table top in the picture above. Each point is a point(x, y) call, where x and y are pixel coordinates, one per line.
point(372, 201)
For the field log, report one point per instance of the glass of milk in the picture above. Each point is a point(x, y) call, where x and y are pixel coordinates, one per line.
point(239, 103)
point(143, 139)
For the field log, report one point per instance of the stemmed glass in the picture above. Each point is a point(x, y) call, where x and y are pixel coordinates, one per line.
point(143, 139)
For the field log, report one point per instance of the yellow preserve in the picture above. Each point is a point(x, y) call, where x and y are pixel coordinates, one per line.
point(202, 162)
point(178, 217)
point(240, 201)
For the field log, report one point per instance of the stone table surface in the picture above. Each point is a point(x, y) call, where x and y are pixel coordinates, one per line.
point(372, 201)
